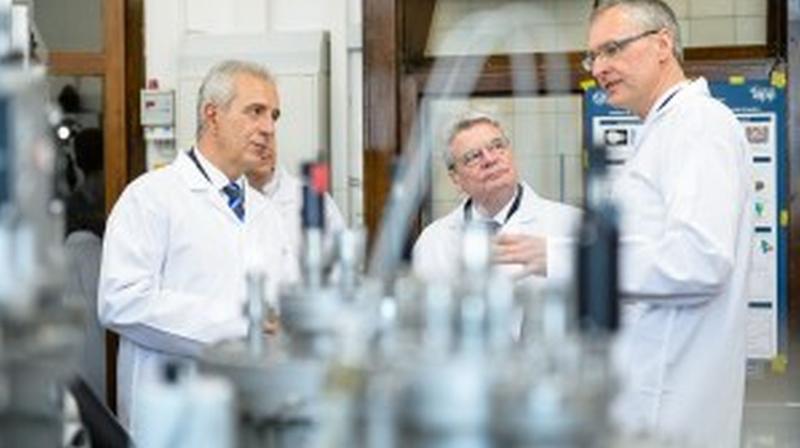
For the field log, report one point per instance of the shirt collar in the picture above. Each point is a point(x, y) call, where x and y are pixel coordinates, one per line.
point(501, 216)
point(665, 99)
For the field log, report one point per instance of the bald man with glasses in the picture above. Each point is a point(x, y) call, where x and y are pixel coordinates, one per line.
point(480, 161)
point(685, 236)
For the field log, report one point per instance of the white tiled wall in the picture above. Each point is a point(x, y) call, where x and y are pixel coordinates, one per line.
point(507, 26)
point(545, 133)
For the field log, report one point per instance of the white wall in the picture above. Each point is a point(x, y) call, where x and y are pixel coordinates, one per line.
point(168, 21)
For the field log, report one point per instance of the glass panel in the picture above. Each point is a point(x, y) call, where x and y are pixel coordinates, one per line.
point(80, 183)
point(73, 25)
point(480, 27)
point(546, 137)
point(80, 149)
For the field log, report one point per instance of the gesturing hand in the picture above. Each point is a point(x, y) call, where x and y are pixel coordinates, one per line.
point(526, 250)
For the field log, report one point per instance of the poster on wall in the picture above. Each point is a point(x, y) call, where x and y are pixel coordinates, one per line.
point(759, 105)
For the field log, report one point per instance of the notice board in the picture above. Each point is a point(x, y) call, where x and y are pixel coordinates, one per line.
point(760, 106)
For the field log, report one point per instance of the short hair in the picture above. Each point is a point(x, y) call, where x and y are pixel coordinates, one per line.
point(88, 146)
point(462, 122)
point(218, 85)
point(650, 15)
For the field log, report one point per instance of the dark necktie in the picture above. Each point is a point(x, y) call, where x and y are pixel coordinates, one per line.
point(492, 226)
point(235, 199)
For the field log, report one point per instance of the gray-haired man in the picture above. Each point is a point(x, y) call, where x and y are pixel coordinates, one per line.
point(180, 239)
point(480, 161)
point(685, 236)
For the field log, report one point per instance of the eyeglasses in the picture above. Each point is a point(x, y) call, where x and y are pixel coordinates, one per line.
point(611, 49)
point(472, 157)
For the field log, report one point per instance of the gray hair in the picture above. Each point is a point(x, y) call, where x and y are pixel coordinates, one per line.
point(462, 122)
point(218, 85)
point(650, 15)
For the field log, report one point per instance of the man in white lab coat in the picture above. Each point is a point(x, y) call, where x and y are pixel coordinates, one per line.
point(686, 230)
point(480, 162)
point(286, 191)
point(180, 239)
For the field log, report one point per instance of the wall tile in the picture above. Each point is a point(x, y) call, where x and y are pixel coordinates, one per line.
point(533, 38)
point(534, 134)
point(572, 36)
point(713, 31)
point(534, 105)
point(536, 12)
point(750, 7)
point(542, 174)
point(679, 7)
point(571, 11)
point(569, 133)
point(686, 34)
point(751, 30)
point(573, 181)
point(568, 103)
point(443, 188)
point(710, 8)
point(441, 208)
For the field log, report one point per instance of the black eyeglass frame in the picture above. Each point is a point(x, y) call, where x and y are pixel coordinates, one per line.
point(610, 49)
point(471, 156)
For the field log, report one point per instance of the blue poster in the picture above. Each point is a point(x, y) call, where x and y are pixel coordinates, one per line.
point(760, 107)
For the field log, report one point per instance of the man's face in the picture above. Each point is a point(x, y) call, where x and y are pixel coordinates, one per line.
point(484, 161)
point(626, 63)
point(245, 129)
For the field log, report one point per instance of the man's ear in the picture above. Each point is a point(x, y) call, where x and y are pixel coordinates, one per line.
point(665, 43)
point(210, 114)
point(455, 178)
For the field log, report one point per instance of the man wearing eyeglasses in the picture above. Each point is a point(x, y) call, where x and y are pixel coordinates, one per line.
point(686, 230)
point(480, 162)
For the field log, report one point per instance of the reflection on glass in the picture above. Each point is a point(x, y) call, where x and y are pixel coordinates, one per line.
point(74, 25)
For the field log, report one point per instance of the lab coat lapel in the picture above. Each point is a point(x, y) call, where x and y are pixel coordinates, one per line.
point(198, 184)
point(284, 196)
point(255, 204)
point(527, 214)
point(455, 219)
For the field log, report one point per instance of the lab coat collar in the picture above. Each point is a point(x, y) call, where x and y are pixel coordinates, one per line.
point(272, 189)
point(217, 178)
point(668, 99)
point(196, 181)
point(500, 216)
point(529, 207)
point(189, 172)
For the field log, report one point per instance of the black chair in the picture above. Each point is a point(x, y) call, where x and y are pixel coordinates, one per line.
point(103, 427)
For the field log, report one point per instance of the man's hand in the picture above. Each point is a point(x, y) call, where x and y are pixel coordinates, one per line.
point(271, 325)
point(526, 250)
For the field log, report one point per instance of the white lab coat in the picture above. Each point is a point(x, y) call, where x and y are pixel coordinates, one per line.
point(286, 191)
point(437, 250)
point(686, 231)
point(173, 273)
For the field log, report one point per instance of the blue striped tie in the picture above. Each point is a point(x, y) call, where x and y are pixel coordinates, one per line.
point(235, 199)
